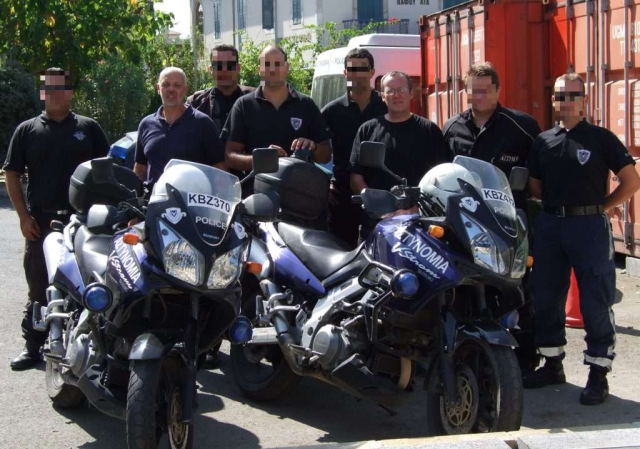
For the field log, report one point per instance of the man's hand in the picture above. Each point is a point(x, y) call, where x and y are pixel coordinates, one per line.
point(413, 210)
point(281, 151)
point(30, 229)
point(301, 142)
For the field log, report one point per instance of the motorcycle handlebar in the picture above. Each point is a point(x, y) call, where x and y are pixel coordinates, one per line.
point(356, 199)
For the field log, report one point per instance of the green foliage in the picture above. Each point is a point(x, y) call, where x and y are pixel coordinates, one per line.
point(73, 34)
point(19, 100)
point(114, 93)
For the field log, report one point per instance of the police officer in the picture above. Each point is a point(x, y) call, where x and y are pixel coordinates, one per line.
point(413, 144)
point(50, 147)
point(217, 101)
point(175, 131)
point(489, 131)
point(274, 115)
point(569, 168)
point(344, 116)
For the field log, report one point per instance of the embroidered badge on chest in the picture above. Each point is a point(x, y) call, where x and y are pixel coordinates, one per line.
point(583, 156)
point(79, 135)
point(296, 123)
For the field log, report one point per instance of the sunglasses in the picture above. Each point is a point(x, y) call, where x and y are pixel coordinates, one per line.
point(365, 68)
point(219, 65)
point(56, 87)
point(571, 96)
point(397, 90)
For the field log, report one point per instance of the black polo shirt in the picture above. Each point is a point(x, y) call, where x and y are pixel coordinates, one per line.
point(193, 137)
point(216, 104)
point(256, 123)
point(344, 118)
point(504, 141)
point(574, 165)
point(413, 147)
point(51, 151)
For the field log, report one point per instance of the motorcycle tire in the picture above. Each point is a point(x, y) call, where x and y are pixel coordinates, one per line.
point(499, 402)
point(246, 361)
point(61, 394)
point(149, 411)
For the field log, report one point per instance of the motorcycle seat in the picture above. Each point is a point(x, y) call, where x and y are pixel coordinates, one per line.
point(92, 251)
point(320, 251)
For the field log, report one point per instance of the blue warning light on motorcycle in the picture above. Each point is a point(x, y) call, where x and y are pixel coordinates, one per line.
point(241, 330)
point(405, 284)
point(97, 298)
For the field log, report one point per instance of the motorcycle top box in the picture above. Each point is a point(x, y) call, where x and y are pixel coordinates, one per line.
point(303, 188)
point(84, 191)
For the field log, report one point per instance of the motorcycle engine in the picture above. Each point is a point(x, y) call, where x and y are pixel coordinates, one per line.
point(81, 354)
point(333, 345)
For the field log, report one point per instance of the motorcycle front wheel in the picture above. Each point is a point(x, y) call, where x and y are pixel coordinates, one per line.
point(490, 390)
point(61, 394)
point(154, 405)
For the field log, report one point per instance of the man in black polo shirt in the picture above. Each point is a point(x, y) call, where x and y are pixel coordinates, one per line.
point(50, 147)
point(414, 144)
point(218, 101)
point(175, 131)
point(489, 131)
point(274, 115)
point(569, 168)
point(344, 116)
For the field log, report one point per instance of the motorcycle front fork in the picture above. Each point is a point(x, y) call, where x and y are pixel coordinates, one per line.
point(447, 330)
point(191, 337)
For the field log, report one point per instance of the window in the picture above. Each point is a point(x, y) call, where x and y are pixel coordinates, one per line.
point(216, 19)
point(296, 8)
point(370, 10)
point(267, 14)
point(241, 16)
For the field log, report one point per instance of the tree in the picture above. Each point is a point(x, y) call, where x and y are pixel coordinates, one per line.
point(74, 34)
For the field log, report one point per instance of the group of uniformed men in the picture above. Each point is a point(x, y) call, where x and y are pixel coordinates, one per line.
point(569, 168)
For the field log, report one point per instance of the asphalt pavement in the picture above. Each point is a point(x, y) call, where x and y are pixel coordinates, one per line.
point(313, 412)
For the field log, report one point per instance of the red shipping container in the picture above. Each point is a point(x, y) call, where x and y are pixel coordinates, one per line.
point(531, 42)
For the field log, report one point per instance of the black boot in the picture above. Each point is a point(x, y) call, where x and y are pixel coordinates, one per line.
point(597, 388)
point(551, 373)
point(29, 357)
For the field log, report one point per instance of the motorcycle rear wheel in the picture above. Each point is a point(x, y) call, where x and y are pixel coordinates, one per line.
point(499, 399)
point(61, 394)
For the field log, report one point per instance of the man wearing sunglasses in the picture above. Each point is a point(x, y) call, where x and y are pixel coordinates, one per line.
point(569, 169)
point(344, 116)
point(413, 144)
point(50, 147)
point(217, 101)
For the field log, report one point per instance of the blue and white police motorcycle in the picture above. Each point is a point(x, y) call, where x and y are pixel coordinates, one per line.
point(426, 288)
point(132, 309)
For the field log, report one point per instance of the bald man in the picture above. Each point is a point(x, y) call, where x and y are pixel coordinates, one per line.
point(175, 131)
point(274, 115)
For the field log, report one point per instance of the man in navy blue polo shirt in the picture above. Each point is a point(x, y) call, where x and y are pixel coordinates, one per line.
point(175, 131)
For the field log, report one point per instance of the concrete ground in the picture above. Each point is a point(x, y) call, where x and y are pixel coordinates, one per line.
point(313, 413)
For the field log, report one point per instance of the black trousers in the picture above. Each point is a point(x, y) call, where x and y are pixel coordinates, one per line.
point(35, 270)
point(344, 218)
point(585, 244)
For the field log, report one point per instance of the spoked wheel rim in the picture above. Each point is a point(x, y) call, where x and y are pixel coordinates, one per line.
point(56, 375)
point(460, 418)
point(178, 430)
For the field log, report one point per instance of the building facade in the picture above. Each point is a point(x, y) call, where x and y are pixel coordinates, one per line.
point(226, 21)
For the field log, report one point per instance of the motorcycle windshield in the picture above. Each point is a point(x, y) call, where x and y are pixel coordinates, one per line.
point(209, 194)
point(494, 188)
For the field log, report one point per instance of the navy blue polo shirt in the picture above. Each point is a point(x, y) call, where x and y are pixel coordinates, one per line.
point(193, 137)
point(574, 165)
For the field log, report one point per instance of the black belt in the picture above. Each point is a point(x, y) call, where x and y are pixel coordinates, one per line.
point(40, 210)
point(564, 211)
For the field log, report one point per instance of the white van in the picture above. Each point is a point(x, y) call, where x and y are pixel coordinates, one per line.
point(390, 52)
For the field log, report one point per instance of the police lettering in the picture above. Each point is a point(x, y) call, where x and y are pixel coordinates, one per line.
point(425, 251)
point(128, 262)
point(211, 222)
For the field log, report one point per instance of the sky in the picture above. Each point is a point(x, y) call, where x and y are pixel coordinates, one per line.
point(182, 15)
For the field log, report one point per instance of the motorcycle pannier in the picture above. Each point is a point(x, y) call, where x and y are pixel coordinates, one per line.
point(303, 188)
point(84, 192)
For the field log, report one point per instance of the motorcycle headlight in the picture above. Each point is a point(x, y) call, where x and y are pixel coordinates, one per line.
point(226, 269)
point(183, 262)
point(484, 249)
point(520, 260)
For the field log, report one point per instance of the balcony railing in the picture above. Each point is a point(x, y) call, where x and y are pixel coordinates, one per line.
point(399, 26)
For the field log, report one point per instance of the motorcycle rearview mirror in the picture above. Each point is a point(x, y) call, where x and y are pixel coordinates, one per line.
point(102, 171)
point(261, 206)
point(379, 202)
point(372, 155)
point(265, 160)
point(518, 179)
